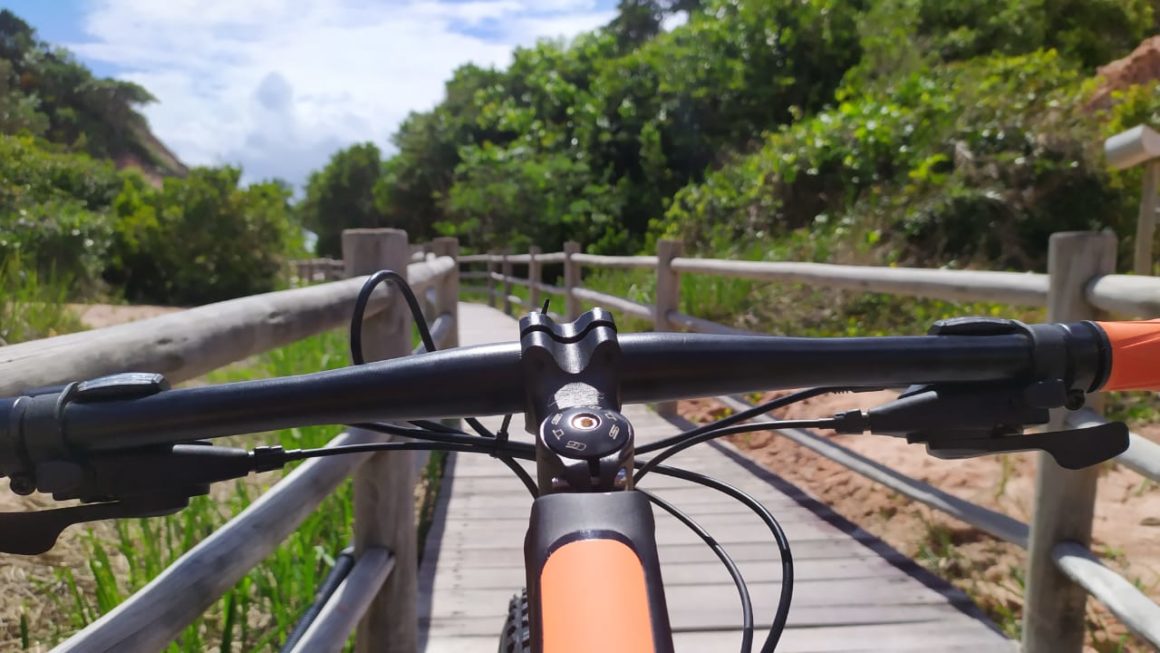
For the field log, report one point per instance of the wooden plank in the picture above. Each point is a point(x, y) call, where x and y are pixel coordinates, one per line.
point(571, 280)
point(726, 618)
point(1125, 295)
point(687, 573)
point(156, 614)
point(1022, 288)
point(1054, 606)
point(678, 553)
point(611, 301)
point(384, 504)
point(920, 636)
point(337, 620)
point(699, 325)
point(666, 299)
point(1131, 606)
point(187, 344)
point(616, 262)
point(1146, 220)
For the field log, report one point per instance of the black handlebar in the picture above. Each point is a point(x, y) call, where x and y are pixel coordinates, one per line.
point(487, 380)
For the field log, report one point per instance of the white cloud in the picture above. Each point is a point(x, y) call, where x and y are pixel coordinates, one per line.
point(277, 85)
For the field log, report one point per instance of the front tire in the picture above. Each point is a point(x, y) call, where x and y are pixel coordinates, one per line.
point(517, 630)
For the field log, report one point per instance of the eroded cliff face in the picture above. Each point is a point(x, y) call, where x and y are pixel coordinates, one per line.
point(1139, 67)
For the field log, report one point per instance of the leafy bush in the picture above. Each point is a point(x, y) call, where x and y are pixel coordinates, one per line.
point(977, 161)
point(200, 239)
point(54, 210)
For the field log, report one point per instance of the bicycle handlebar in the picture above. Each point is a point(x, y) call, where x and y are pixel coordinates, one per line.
point(487, 380)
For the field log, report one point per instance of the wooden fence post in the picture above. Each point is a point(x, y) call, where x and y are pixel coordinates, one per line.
point(535, 276)
point(384, 501)
point(490, 281)
point(448, 289)
point(668, 298)
point(571, 280)
point(1053, 610)
point(1146, 222)
point(506, 270)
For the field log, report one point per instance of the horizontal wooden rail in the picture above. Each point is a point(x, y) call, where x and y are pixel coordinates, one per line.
point(187, 344)
point(614, 302)
point(615, 262)
point(954, 285)
point(340, 615)
point(474, 276)
point(550, 257)
point(155, 615)
point(700, 325)
point(1127, 295)
point(1131, 606)
point(1142, 456)
point(495, 276)
point(990, 521)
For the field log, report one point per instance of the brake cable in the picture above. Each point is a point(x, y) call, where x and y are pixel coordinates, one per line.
point(356, 355)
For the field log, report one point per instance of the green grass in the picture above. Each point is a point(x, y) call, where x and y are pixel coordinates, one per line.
point(33, 306)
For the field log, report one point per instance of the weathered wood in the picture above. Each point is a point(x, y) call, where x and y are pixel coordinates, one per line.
point(571, 280)
point(616, 262)
point(155, 615)
point(1142, 456)
point(384, 512)
point(613, 302)
point(954, 285)
point(990, 521)
point(1146, 221)
point(535, 275)
point(1131, 606)
point(187, 344)
point(474, 276)
point(1053, 613)
point(506, 271)
point(700, 325)
point(447, 299)
point(491, 281)
point(667, 299)
point(340, 615)
point(1126, 295)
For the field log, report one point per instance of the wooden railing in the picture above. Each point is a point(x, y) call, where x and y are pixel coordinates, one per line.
point(379, 594)
point(1080, 284)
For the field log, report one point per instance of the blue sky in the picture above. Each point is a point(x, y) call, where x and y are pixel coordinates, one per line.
point(277, 85)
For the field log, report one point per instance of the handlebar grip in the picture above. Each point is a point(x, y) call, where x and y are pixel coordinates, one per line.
point(1135, 348)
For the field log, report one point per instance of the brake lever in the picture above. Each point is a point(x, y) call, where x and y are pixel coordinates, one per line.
point(32, 533)
point(965, 420)
point(1071, 449)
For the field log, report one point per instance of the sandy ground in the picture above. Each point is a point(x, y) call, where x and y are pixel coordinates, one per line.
point(1126, 530)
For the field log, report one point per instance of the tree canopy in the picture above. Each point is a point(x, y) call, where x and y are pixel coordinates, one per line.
point(753, 119)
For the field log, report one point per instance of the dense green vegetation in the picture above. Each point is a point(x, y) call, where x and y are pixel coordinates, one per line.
point(151, 232)
point(923, 131)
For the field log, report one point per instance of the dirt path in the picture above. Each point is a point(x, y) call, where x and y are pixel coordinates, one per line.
point(96, 316)
point(1126, 530)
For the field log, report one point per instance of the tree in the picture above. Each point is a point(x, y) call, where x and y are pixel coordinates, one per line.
point(341, 196)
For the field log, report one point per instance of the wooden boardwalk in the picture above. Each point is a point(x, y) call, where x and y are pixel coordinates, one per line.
point(851, 591)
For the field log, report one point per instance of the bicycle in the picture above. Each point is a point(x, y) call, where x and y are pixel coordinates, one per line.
point(127, 445)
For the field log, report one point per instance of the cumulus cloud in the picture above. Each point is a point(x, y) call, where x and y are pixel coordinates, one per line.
point(277, 85)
